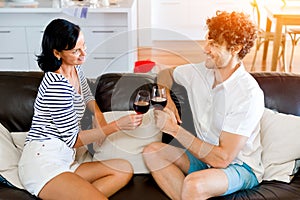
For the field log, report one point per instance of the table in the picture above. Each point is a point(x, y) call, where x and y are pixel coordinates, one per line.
point(288, 15)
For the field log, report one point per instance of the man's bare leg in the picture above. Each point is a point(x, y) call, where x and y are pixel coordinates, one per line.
point(204, 184)
point(168, 166)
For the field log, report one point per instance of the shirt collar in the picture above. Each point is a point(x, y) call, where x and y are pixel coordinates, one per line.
point(234, 76)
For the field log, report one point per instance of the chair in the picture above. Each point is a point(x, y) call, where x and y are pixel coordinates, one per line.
point(293, 32)
point(263, 37)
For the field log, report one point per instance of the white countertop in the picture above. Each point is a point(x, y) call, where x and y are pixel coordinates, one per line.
point(54, 6)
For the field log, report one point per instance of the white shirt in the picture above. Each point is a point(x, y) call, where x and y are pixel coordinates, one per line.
point(235, 106)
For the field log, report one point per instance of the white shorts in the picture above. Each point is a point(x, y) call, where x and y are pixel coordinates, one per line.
point(43, 160)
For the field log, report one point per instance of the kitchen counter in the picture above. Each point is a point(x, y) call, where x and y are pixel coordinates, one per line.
point(110, 33)
point(56, 6)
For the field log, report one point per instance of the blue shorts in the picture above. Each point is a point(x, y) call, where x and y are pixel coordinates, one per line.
point(239, 176)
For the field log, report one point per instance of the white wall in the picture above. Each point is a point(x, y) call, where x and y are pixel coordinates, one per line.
point(144, 22)
point(185, 19)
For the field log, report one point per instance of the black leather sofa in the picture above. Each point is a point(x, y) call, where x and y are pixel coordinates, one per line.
point(18, 90)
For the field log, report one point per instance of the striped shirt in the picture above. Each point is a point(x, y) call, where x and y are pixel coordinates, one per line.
point(58, 108)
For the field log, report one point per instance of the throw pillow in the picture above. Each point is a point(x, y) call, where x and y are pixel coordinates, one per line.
point(126, 144)
point(19, 139)
point(9, 156)
point(279, 138)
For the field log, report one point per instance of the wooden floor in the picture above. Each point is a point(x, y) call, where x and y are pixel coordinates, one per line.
point(173, 53)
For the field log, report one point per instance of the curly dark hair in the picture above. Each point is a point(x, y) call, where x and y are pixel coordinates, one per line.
point(235, 28)
point(59, 34)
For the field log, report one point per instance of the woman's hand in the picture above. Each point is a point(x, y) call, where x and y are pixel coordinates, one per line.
point(129, 122)
point(166, 121)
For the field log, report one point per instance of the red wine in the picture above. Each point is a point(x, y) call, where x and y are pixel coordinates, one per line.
point(141, 107)
point(159, 102)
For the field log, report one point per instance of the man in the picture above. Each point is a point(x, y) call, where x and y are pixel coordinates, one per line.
point(227, 104)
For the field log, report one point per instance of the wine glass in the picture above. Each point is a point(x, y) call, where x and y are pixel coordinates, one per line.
point(142, 102)
point(159, 97)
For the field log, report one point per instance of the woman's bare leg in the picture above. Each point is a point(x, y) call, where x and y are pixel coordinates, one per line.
point(91, 180)
point(107, 176)
point(70, 186)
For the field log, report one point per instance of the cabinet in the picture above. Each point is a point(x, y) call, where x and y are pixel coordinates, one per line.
point(13, 47)
point(110, 36)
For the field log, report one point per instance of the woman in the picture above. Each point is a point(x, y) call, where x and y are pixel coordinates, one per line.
point(47, 167)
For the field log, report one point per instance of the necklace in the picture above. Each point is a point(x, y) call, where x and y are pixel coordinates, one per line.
point(75, 83)
point(72, 78)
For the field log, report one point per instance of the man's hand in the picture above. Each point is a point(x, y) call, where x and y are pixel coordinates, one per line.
point(165, 79)
point(172, 107)
point(165, 120)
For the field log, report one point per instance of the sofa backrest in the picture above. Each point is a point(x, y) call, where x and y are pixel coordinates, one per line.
point(281, 90)
point(18, 91)
point(115, 91)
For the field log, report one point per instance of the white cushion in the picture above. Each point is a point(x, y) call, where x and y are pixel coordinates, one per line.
point(19, 139)
point(128, 144)
point(83, 155)
point(9, 156)
point(280, 141)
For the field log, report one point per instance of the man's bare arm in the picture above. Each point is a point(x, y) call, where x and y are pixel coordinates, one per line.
point(165, 78)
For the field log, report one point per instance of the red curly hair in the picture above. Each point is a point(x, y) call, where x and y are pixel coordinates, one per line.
point(235, 28)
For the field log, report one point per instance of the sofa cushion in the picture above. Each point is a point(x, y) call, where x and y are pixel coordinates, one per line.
point(19, 139)
point(10, 156)
point(128, 144)
point(279, 133)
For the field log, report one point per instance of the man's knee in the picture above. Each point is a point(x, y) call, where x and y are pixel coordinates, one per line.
point(193, 187)
point(155, 157)
point(150, 152)
point(151, 148)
